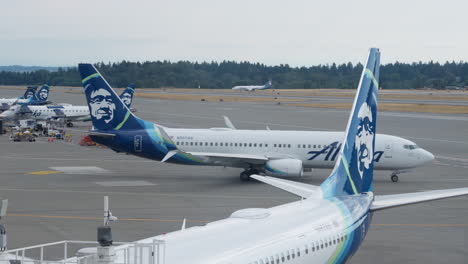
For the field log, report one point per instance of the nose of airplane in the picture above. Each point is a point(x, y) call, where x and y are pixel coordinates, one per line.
point(426, 156)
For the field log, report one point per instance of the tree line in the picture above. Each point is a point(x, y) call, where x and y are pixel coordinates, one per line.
point(226, 74)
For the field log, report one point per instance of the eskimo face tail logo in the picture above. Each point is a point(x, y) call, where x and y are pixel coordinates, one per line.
point(102, 105)
point(127, 99)
point(363, 143)
point(43, 94)
point(29, 94)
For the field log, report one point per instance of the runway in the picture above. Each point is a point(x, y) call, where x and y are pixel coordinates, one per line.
point(152, 198)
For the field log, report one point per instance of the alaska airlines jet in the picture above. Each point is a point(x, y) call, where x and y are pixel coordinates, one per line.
point(30, 92)
point(29, 98)
point(69, 113)
point(253, 87)
point(327, 226)
point(273, 152)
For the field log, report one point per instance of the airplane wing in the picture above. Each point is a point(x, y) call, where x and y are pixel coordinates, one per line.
point(297, 188)
point(394, 200)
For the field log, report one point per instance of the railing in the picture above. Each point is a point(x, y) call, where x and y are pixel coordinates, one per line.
point(59, 253)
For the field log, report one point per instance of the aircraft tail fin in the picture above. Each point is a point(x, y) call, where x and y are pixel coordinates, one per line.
point(127, 95)
point(29, 93)
point(354, 169)
point(268, 84)
point(41, 96)
point(107, 110)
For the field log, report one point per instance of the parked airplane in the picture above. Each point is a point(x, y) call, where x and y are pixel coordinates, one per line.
point(28, 98)
point(273, 152)
point(253, 87)
point(327, 226)
point(70, 113)
point(30, 92)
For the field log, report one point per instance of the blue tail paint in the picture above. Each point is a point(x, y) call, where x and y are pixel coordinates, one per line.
point(107, 110)
point(40, 98)
point(127, 95)
point(354, 169)
point(30, 92)
point(267, 85)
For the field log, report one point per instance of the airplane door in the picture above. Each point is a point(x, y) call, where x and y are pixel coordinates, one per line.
point(388, 152)
point(138, 143)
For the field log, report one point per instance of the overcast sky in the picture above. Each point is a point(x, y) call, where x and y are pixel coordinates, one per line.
point(302, 32)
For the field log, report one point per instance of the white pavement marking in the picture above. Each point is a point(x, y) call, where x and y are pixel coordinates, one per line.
point(81, 170)
point(124, 183)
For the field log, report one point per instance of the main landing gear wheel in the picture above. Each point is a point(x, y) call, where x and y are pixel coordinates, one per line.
point(70, 124)
point(394, 178)
point(245, 175)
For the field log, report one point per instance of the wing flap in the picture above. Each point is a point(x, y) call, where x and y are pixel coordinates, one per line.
point(394, 200)
point(296, 188)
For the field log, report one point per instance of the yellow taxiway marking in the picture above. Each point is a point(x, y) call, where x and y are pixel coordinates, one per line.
point(44, 172)
point(204, 222)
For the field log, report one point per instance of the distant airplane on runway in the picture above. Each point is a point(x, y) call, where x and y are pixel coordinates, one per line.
point(253, 87)
point(70, 113)
point(273, 152)
point(327, 226)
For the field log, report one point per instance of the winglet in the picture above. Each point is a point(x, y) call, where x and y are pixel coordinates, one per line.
point(228, 123)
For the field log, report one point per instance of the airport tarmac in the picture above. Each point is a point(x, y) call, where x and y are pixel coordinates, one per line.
point(151, 198)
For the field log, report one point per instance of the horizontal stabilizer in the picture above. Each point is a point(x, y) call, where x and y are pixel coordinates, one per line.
point(297, 188)
point(169, 155)
point(100, 134)
point(394, 200)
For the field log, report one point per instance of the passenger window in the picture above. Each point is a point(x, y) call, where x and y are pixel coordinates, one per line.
point(245, 144)
point(304, 146)
point(299, 146)
point(235, 144)
point(211, 143)
point(250, 144)
point(255, 144)
point(216, 144)
point(274, 145)
point(191, 143)
point(289, 145)
point(315, 146)
point(260, 145)
point(266, 145)
point(309, 146)
point(221, 144)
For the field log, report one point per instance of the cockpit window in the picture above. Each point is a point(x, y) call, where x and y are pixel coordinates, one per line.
point(410, 147)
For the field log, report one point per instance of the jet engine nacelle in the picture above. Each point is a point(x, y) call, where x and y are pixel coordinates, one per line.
point(284, 168)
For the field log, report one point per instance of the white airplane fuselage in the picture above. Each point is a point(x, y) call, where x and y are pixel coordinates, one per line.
point(316, 149)
point(249, 87)
point(273, 236)
point(47, 112)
